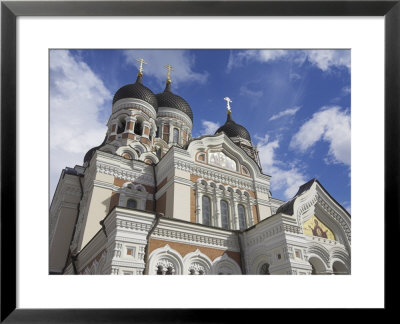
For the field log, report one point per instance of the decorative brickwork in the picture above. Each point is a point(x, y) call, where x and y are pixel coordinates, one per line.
point(120, 182)
point(184, 249)
point(162, 184)
point(113, 201)
point(162, 203)
point(149, 205)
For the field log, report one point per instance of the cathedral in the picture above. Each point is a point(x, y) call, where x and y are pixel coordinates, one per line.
point(152, 200)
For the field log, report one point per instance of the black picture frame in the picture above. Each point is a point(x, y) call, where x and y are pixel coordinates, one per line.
point(10, 10)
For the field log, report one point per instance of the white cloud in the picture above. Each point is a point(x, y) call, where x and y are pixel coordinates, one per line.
point(209, 127)
point(330, 124)
point(236, 60)
point(245, 91)
point(77, 97)
point(286, 179)
point(287, 112)
point(323, 59)
point(181, 61)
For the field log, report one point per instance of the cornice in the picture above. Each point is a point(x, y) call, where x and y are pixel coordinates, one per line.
point(174, 113)
point(137, 104)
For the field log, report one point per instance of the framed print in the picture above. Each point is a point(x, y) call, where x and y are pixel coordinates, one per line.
point(48, 53)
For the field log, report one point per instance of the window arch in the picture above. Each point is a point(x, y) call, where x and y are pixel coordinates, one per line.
point(175, 135)
point(131, 203)
point(121, 125)
point(242, 217)
point(206, 209)
point(224, 214)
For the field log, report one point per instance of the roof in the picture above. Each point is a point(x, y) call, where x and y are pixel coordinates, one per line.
point(232, 129)
point(138, 91)
point(171, 100)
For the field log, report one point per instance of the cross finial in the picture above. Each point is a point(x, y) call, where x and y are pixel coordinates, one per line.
point(141, 61)
point(228, 101)
point(169, 68)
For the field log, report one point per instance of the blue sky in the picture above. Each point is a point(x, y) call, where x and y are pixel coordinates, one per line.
point(295, 104)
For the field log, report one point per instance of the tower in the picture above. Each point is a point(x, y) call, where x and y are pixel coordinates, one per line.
point(174, 119)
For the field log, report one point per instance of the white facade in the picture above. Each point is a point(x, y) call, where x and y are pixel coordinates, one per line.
point(159, 205)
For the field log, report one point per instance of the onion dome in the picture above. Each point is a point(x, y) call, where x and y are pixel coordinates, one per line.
point(138, 91)
point(171, 100)
point(90, 153)
point(231, 129)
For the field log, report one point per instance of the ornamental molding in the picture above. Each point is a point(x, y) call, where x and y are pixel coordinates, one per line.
point(137, 104)
point(173, 113)
point(130, 240)
point(195, 239)
point(219, 176)
point(130, 175)
point(131, 225)
point(128, 264)
point(340, 219)
point(266, 234)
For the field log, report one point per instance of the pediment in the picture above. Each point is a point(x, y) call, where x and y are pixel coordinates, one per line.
point(220, 152)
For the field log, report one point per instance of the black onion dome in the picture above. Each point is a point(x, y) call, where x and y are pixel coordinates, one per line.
point(138, 91)
point(171, 100)
point(90, 153)
point(231, 129)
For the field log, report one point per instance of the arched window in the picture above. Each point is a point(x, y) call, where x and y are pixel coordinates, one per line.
point(131, 203)
point(264, 269)
point(121, 126)
point(224, 214)
point(169, 271)
point(242, 217)
point(176, 136)
point(206, 210)
point(138, 128)
point(158, 132)
point(159, 270)
point(192, 272)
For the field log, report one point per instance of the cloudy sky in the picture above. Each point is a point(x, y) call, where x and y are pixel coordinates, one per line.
point(295, 104)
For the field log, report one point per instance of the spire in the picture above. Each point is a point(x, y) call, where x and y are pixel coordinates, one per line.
point(169, 68)
point(141, 61)
point(228, 106)
point(140, 73)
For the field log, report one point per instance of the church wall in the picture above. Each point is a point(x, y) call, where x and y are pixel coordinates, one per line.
point(162, 204)
point(63, 214)
point(265, 211)
point(169, 204)
point(120, 182)
point(62, 237)
point(98, 209)
point(104, 177)
point(181, 204)
point(113, 201)
point(184, 249)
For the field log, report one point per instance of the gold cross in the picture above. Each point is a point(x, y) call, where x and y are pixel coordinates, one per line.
point(169, 68)
point(228, 101)
point(141, 61)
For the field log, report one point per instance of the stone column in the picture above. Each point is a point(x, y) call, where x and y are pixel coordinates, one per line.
point(146, 129)
point(199, 216)
point(130, 124)
point(218, 222)
point(235, 219)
